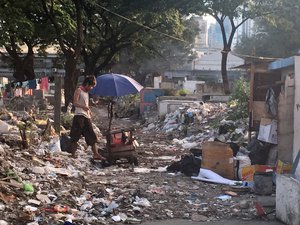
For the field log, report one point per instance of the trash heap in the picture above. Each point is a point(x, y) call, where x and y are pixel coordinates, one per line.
point(196, 123)
point(42, 185)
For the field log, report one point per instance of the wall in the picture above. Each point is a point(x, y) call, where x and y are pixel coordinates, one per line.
point(191, 85)
point(166, 106)
point(167, 85)
point(287, 199)
point(157, 81)
point(210, 88)
point(285, 116)
point(297, 108)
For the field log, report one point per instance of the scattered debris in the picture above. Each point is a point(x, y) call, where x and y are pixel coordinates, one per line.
point(42, 184)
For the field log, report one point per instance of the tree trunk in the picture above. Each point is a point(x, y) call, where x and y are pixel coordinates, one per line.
point(19, 72)
point(224, 72)
point(24, 67)
point(71, 79)
point(90, 66)
point(28, 65)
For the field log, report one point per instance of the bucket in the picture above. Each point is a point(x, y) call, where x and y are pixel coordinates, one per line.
point(263, 183)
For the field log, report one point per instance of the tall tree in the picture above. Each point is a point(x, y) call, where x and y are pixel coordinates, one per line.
point(98, 31)
point(236, 12)
point(66, 18)
point(131, 28)
point(20, 31)
point(277, 34)
point(157, 53)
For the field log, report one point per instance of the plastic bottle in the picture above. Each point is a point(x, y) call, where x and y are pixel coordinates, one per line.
point(61, 208)
point(69, 108)
point(64, 209)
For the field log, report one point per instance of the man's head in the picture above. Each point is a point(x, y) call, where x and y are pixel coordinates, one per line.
point(89, 82)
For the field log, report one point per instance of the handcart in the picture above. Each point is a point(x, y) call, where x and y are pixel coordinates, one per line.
point(121, 144)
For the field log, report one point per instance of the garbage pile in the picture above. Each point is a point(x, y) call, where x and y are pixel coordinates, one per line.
point(43, 185)
point(197, 123)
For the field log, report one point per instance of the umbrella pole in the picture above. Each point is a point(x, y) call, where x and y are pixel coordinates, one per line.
point(108, 107)
point(110, 115)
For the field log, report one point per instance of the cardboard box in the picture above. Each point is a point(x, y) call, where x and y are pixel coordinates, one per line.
point(218, 157)
point(268, 130)
point(248, 171)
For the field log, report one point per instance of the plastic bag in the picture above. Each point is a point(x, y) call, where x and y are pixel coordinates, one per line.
point(4, 127)
point(54, 146)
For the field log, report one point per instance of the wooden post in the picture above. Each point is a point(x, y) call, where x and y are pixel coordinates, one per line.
point(251, 99)
point(57, 103)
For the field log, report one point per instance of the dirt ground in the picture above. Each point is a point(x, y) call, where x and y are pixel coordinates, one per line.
point(117, 193)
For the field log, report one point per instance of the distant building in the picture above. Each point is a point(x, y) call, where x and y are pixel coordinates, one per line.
point(245, 30)
point(44, 65)
point(207, 67)
point(215, 38)
point(201, 40)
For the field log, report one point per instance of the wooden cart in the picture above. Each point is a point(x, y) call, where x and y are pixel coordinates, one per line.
point(121, 144)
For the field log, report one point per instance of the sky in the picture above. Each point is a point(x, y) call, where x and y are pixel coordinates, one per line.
point(209, 19)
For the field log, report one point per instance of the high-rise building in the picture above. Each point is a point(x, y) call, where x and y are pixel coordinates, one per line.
point(215, 38)
point(247, 28)
point(201, 40)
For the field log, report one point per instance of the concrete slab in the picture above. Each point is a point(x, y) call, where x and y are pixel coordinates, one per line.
point(287, 199)
point(221, 222)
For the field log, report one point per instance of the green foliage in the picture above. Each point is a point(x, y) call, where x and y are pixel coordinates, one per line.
point(22, 25)
point(67, 119)
point(136, 48)
point(182, 92)
point(236, 12)
point(277, 34)
point(239, 99)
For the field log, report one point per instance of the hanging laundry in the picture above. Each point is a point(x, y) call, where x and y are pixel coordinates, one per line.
point(32, 84)
point(25, 84)
point(18, 92)
point(44, 85)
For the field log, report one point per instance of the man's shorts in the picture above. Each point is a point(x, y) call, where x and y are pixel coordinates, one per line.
point(82, 126)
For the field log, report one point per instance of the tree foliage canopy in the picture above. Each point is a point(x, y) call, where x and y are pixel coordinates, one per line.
point(22, 25)
point(236, 12)
point(95, 33)
point(277, 34)
point(125, 35)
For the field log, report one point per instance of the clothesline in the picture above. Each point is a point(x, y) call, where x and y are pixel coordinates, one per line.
point(20, 88)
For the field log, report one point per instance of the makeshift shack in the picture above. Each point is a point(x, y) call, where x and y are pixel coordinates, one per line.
point(275, 97)
point(273, 104)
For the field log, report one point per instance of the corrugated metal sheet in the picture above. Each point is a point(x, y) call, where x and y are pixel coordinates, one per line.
point(281, 63)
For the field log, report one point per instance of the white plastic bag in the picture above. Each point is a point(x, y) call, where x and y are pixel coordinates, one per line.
point(244, 161)
point(4, 127)
point(54, 146)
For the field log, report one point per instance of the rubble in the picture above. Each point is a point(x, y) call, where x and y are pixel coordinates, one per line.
point(39, 185)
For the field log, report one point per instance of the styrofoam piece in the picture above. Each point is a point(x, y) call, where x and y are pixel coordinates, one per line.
point(210, 176)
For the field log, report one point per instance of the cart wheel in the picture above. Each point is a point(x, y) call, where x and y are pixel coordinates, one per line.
point(135, 161)
point(132, 160)
point(111, 161)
